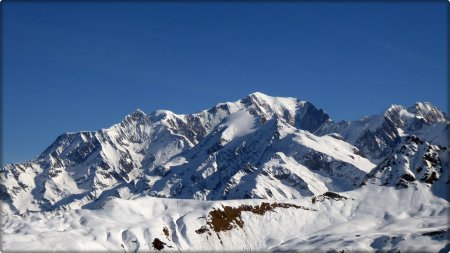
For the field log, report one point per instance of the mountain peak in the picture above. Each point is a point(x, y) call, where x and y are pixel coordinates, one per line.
point(136, 115)
point(422, 106)
point(276, 103)
point(263, 97)
point(395, 107)
point(258, 95)
point(138, 112)
point(427, 111)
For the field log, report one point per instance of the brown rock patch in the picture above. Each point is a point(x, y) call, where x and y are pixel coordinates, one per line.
point(230, 217)
point(166, 231)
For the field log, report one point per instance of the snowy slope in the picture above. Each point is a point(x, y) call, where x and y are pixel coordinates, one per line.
point(361, 222)
point(272, 161)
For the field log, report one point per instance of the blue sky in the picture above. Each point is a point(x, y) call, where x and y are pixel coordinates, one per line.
point(84, 66)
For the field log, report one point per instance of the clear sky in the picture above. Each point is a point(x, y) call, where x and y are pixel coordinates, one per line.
point(84, 66)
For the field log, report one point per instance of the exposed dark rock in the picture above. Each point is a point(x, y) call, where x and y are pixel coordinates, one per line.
point(409, 177)
point(328, 195)
point(310, 118)
point(158, 244)
point(435, 233)
point(432, 178)
point(202, 230)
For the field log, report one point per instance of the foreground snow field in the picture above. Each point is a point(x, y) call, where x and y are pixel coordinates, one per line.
point(370, 218)
point(262, 173)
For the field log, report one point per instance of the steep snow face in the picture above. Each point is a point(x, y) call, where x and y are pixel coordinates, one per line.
point(301, 114)
point(237, 125)
point(267, 106)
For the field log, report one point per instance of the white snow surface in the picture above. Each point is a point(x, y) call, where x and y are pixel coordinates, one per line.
point(362, 222)
point(237, 125)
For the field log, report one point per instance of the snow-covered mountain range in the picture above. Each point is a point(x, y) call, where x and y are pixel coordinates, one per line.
point(260, 157)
